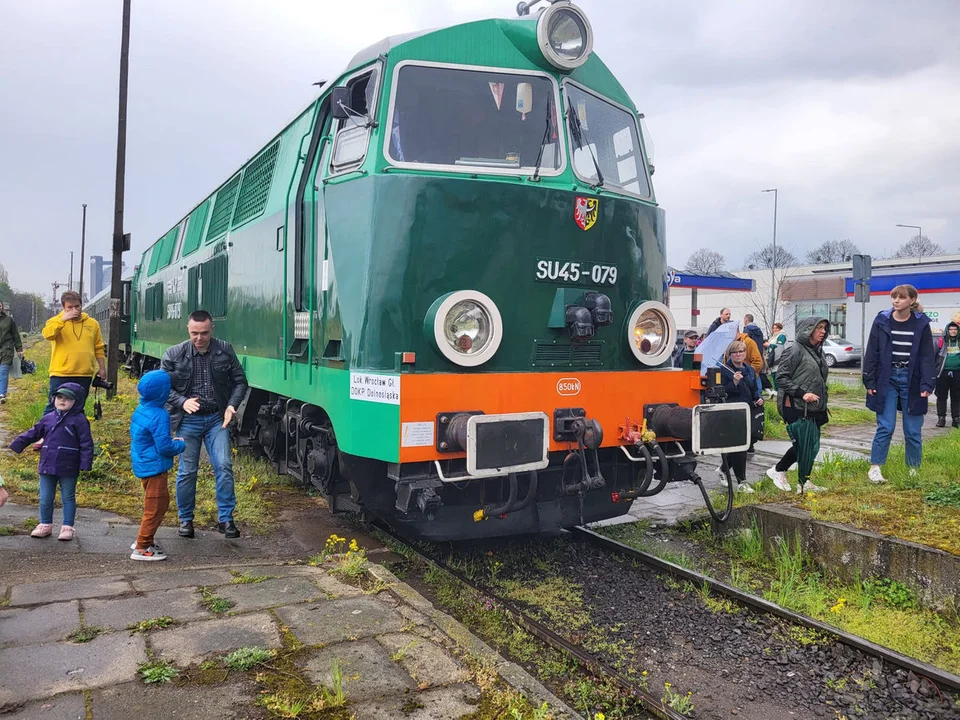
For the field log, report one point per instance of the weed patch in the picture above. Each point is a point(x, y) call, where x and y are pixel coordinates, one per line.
point(213, 602)
point(7, 530)
point(157, 672)
point(157, 623)
point(85, 634)
point(249, 657)
point(245, 578)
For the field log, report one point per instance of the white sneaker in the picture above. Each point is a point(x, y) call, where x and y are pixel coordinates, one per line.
point(875, 476)
point(779, 479)
point(152, 553)
point(3, 399)
point(744, 488)
point(723, 477)
point(810, 488)
point(155, 546)
point(913, 472)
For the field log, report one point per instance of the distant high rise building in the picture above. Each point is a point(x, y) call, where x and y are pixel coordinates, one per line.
point(100, 274)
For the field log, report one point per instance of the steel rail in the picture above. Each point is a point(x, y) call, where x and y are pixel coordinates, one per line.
point(596, 666)
point(939, 677)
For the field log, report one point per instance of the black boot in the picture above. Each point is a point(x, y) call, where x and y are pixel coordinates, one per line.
point(186, 529)
point(942, 421)
point(956, 422)
point(229, 529)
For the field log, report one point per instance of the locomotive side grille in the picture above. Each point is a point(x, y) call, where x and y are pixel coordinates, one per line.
point(223, 208)
point(256, 185)
point(549, 353)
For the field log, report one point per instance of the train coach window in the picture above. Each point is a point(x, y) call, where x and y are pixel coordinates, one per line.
point(464, 119)
point(353, 131)
point(605, 135)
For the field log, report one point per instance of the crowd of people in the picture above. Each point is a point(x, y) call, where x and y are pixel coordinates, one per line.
point(189, 402)
point(901, 367)
point(193, 398)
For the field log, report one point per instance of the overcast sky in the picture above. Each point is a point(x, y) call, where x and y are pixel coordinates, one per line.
point(851, 108)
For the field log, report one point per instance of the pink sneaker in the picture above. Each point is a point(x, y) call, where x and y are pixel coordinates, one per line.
point(42, 530)
point(66, 533)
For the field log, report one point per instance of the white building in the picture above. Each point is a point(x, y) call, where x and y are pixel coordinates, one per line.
point(828, 291)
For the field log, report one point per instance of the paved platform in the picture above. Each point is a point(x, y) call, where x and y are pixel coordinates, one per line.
point(398, 656)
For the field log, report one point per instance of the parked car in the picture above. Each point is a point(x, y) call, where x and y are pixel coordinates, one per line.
point(840, 351)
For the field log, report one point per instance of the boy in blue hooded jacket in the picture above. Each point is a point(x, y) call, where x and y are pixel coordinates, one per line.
point(152, 452)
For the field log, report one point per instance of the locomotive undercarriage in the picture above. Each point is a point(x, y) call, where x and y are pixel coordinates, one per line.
point(439, 501)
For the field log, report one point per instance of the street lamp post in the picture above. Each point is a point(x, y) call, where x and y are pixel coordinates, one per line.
point(83, 247)
point(773, 264)
point(919, 239)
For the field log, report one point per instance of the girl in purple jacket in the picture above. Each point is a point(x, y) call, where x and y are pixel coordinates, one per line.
point(67, 449)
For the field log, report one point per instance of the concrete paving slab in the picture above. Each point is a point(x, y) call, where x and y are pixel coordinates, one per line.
point(193, 642)
point(55, 590)
point(427, 663)
point(40, 671)
point(181, 604)
point(333, 621)
point(269, 593)
point(161, 702)
point(180, 578)
point(34, 546)
point(368, 671)
point(47, 623)
point(70, 706)
point(453, 702)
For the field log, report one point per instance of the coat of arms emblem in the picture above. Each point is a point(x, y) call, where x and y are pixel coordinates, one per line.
point(585, 211)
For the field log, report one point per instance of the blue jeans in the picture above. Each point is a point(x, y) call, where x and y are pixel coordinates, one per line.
point(68, 497)
point(208, 429)
point(4, 377)
point(887, 422)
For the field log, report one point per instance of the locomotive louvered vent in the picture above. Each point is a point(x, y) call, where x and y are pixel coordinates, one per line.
point(198, 218)
point(256, 185)
point(548, 353)
point(223, 209)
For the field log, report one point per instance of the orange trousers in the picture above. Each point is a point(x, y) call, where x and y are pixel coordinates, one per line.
point(156, 502)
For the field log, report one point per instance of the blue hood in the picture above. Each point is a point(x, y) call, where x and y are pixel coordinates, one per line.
point(154, 388)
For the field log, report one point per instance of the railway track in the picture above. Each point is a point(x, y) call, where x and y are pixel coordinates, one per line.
point(897, 687)
point(942, 678)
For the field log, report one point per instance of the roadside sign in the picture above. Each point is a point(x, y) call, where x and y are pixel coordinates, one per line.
point(861, 292)
point(862, 268)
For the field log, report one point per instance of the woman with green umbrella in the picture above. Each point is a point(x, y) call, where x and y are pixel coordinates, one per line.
point(802, 402)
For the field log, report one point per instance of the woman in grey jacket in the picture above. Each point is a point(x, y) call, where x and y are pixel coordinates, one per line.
point(802, 391)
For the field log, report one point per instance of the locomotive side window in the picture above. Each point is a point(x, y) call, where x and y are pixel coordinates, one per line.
point(353, 132)
point(464, 119)
point(604, 138)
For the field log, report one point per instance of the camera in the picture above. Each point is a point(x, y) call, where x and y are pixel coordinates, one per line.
point(98, 383)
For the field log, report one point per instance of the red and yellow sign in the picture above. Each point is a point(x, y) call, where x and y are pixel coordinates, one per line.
point(585, 211)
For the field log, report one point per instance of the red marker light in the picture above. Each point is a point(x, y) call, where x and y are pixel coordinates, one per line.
point(408, 358)
point(615, 497)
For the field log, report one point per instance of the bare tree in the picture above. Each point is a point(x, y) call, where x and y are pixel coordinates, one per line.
point(4, 275)
point(919, 246)
point(765, 258)
point(759, 302)
point(705, 262)
point(833, 251)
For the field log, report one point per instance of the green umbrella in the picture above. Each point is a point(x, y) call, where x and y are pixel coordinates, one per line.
point(805, 434)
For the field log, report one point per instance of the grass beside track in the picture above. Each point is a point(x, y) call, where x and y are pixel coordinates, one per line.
point(110, 485)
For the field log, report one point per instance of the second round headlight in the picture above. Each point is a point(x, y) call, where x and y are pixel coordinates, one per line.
point(650, 332)
point(467, 327)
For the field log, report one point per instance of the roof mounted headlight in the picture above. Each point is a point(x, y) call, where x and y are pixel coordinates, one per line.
point(564, 35)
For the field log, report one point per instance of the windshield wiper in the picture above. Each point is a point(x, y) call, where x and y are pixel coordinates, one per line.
point(543, 141)
point(576, 130)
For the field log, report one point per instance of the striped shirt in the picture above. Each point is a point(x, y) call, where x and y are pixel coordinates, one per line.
point(902, 336)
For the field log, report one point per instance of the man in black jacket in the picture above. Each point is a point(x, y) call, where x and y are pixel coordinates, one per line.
point(724, 318)
point(207, 385)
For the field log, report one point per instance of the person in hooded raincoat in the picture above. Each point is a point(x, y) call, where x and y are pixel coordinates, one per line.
point(899, 372)
point(948, 375)
point(802, 391)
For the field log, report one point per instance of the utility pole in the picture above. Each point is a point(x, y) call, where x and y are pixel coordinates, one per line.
point(70, 274)
point(116, 294)
point(83, 248)
point(773, 264)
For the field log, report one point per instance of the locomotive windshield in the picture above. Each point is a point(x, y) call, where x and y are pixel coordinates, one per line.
point(474, 119)
point(604, 137)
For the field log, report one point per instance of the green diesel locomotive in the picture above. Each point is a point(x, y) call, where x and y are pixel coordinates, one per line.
point(445, 282)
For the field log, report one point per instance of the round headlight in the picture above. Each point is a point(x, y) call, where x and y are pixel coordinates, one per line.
point(466, 327)
point(565, 35)
point(650, 333)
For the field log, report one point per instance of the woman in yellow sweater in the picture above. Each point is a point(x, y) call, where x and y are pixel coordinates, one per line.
point(78, 350)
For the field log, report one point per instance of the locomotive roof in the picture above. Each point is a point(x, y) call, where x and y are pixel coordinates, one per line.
point(384, 46)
